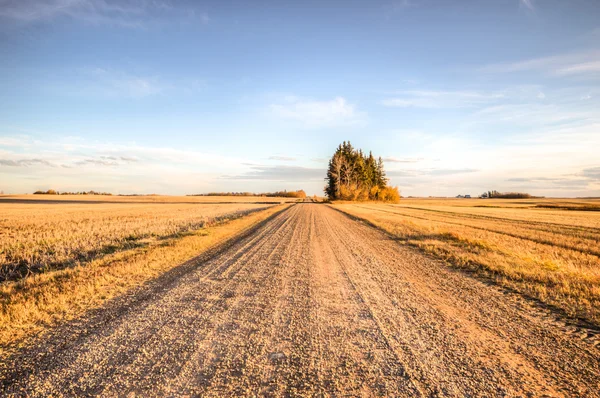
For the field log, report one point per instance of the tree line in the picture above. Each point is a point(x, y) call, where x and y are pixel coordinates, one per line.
point(300, 194)
point(55, 192)
point(506, 195)
point(353, 175)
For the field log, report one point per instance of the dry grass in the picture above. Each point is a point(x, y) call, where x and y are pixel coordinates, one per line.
point(37, 237)
point(100, 250)
point(145, 199)
point(552, 254)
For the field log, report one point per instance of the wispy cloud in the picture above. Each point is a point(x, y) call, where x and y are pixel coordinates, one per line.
point(429, 172)
point(76, 152)
point(25, 162)
point(279, 173)
point(580, 68)
point(592, 173)
point(447, 172)
point(282, 158)
point(125, 13)
point(16, 141)
point(440, 99)
point(580, 180)
point(529, 4)
point(107, 161)
point(72, 163)
point(392, 159)
point(128, 159)
point(313, 113)
point(570, 64)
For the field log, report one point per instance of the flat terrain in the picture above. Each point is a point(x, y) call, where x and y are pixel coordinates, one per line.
point(40, 235)
point(547, 249)
point(312, 302)
point(141, 199)
point(67, 254)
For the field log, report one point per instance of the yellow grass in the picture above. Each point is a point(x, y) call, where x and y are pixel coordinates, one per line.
point(549, 254)
point(57, 233)
point(146, 199)
point(167, 235)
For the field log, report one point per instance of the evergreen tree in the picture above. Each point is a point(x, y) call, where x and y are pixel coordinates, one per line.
point(352, 175)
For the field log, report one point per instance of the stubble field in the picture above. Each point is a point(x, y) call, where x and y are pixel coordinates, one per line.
point(62, 255)
point(548, 249)
point(39, 235)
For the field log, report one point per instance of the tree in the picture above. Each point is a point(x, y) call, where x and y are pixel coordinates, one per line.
point(352, 175)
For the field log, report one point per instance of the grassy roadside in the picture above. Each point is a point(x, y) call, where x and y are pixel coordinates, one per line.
point(553, 263)
point(32, 305)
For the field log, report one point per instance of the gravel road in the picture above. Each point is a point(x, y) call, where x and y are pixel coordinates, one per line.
point(311, 303)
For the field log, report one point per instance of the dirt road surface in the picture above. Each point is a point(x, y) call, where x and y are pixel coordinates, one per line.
point(311, 303)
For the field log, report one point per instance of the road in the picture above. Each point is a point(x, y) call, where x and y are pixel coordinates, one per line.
point(311, 303)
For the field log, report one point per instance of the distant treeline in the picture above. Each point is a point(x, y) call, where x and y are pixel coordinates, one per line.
point(507, 195)
point(279, 194)
point(53, 192)
point(352, 175)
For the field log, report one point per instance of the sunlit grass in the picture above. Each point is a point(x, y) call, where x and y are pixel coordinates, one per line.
point(552, 255)
point(165, 236)
point(37, 238)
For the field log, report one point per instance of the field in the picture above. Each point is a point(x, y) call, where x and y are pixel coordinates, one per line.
point(37, 235)
point(548, 249)
point(195, 297)
point(61, 255)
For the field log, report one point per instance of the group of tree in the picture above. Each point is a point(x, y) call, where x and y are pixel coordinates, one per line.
point(300, 194)
point(505, 195)
point(353, 175)
point(54, 192)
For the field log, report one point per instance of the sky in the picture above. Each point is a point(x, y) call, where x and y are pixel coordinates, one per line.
point(184, 97)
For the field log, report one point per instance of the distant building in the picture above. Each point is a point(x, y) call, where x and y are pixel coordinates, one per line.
point(467, 196)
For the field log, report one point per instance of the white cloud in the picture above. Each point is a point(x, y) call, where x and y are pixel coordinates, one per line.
point(582, 63)
point(280, 173)
point(528, 4)
point(125, 13)
point(392, 159)
point(549, 161)
point(73, 164)
point(312, 113)
point(16, 141)
point(440, 99)
point(25, 162)
point(584, 67)
point(78, 152)
point(282, 158)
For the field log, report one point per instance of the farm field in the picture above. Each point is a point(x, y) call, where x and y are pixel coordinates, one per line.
point(62, 255)
point(311, 302)
point(66, 231)
point(547, 249)
point(41, 199)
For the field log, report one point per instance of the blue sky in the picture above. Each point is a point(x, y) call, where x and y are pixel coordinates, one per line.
point(180, 97)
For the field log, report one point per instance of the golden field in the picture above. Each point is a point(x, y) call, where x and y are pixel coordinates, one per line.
point(67, 231)
point(548, 249)
point(144, 199)
point(61, 256)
